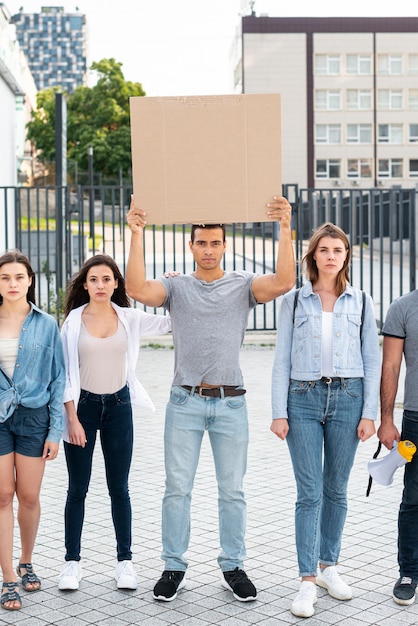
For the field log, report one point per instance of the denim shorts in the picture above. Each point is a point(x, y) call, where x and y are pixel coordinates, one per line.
point(25, 432)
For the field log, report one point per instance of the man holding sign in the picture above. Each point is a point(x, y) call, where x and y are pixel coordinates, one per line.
point(209, 310)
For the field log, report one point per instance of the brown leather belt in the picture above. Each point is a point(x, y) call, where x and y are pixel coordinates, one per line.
point(331, 379)
point(215, 392)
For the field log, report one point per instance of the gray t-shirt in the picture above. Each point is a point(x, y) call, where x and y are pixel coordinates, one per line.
point(208, 323)
point(402, 322)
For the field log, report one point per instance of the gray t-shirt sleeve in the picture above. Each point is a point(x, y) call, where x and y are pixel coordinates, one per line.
point(394, 325)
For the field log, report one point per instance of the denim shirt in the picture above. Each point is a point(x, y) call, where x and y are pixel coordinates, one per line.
point(39, 374)
point(299, 349)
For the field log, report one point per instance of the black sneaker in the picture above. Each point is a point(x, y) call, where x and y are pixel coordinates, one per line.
point(168, 585)
point(241, 586)
point(404, 590)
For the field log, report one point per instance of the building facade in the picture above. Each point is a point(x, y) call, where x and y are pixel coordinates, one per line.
point(17, 98)
point(55, 44)
point(349, 95)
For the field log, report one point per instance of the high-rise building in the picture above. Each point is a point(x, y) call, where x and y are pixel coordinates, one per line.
point(349, 95)
point(55, 45)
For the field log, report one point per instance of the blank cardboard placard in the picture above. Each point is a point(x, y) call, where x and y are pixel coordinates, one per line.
point(206, 159)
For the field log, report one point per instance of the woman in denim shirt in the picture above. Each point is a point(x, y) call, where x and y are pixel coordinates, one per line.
point(32, 362)
point(325, 389)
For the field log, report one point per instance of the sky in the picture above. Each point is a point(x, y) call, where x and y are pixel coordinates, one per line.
point(182, 47)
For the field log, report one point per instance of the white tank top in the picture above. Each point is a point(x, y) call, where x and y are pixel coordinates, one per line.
point(102, 361)
point(8, 355)
point(327, 343)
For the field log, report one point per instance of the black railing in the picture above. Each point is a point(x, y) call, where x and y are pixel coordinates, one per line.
point(59, 227)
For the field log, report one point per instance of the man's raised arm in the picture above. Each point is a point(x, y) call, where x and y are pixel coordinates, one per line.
point(149, 292)
point(270, 286)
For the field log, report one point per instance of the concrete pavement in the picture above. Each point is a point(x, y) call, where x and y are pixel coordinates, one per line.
point(368, 556)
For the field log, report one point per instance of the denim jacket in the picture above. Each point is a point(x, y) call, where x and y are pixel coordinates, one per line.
point(39, 374)
point(298, 346)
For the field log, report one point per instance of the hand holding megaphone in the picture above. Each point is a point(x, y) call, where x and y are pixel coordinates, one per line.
point(382, 470)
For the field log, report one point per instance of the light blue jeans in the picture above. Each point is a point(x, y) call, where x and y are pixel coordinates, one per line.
point(187, 417)
point(322, 440)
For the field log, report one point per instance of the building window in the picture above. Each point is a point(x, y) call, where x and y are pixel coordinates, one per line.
point(389, 64)
point(413, 168)
point(390, 168)
point(359, 168)
point(328, 133)
point(327, 64)
point(328, 168)
point(413, 64)
point(389, 99)
point(358, 64)
point(413, 99)
point(413, 133)
point(359, 99)
point(327, 100)
point(390, 133)
point(359, 133)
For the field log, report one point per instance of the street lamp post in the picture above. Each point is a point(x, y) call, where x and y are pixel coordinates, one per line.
point(91, 186)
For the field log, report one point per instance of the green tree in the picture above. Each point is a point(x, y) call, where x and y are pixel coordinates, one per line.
point(98, 116)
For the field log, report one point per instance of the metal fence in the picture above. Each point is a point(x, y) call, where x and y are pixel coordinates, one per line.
point(59, 227)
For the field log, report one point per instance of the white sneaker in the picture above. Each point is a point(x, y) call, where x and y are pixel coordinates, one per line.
point(70, 576)
point(125, 575)
point(303, 604)
point(329, 579)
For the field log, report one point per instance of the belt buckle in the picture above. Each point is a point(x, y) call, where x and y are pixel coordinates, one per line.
point(200, 392)
point(328, 380)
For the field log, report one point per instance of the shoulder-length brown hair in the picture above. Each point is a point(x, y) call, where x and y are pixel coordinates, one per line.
point(327, 230)
point(77, 295)
point(16, 256)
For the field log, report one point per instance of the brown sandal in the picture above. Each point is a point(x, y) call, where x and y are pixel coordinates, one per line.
point(11, 595)
point(30, 578)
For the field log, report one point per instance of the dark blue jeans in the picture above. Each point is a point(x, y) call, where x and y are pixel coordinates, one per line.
point(408, 512)
point(111, 414)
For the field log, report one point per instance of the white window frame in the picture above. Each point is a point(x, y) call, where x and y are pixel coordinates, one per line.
point(359, 133)
point(363, 168)
point(388, 168)
point(413, 133)
point(359, 99)
point(389, 99)
point(413, 99)
point(359, 64)
point(331, 99)
point(332, 168)
point(390, 133)
point(389, 64)
point(327, 64)
point(328, 133)
point(413, 168)
point(412, 64)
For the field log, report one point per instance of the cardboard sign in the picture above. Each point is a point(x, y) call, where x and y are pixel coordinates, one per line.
point(206, 159)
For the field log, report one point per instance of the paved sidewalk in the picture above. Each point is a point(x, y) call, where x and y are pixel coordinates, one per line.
point(368, 558)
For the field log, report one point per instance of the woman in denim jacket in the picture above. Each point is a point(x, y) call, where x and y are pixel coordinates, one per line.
point(325, 389)
point(32, 364)
point(101, 337)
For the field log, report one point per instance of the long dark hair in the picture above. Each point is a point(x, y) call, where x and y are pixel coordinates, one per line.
point(328, 230)
point(77, 295)
point(16, 256)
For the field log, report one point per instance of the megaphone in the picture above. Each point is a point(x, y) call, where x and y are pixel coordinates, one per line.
point(383, 470)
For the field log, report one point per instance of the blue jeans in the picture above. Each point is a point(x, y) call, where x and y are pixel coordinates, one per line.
point(322, 440)
point(187, 418)
point(408, 511)
point(111, 414)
